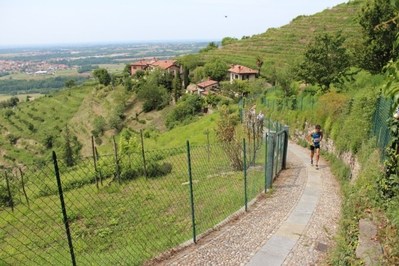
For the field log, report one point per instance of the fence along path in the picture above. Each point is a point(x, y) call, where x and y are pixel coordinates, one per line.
point(295, 225)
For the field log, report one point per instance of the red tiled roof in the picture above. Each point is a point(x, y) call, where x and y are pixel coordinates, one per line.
point(238, 69)
point(165, 64)
point(207, 83)
point(142, 62)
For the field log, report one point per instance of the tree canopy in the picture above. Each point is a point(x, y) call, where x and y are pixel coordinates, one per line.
point(325, 62)
point(379, 33)
point(216, 69)
point(211, 46)
point(103, 76)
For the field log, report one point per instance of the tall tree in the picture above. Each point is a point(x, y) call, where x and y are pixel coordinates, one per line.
point(70, 83)
point(103, 76)
point(70, 147)
point(177, 86)
point(325, 62)
point(186, 79)
point(379, 33)
point(259, 63)
point(127, 71)
point(216, 69)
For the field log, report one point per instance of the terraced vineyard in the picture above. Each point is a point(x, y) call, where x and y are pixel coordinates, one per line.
point(284, 45)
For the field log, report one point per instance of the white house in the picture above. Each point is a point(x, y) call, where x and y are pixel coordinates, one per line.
point(242, 73)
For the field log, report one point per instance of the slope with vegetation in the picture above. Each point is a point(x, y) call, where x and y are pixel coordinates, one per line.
point(343, 100)
point(279, 47)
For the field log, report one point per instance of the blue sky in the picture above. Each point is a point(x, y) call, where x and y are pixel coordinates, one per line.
point(29, 22)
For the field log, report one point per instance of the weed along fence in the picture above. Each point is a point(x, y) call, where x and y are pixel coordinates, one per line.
point(124, 209)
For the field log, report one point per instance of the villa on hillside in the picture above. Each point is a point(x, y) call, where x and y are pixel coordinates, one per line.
point(168, 65)
point(207, 86)
point(140, 65)
point(242, 73)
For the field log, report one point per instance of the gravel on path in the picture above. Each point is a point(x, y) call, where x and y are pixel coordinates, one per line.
point(237, 241)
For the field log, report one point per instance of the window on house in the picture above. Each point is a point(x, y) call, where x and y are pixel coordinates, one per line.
point(134, 67)
point(236, 77)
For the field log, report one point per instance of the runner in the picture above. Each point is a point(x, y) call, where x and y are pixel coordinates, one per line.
point(314, 138)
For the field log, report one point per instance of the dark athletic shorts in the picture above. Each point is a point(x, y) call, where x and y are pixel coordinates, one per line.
point(312, 148)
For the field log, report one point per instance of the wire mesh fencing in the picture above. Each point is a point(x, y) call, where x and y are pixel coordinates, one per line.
point(301, 103)
point(124, 209)
point(380, 127)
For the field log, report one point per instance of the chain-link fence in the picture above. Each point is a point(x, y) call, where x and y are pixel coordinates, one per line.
point(380, 128)
point(124, 209)
point(380, 125)
point(301, 103)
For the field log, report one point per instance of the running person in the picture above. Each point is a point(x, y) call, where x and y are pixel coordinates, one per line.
point(314, 138)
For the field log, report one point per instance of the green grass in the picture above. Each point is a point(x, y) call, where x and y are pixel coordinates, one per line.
point(21, 97)
point(47, 116)
point(136, 220)
point(280, 47)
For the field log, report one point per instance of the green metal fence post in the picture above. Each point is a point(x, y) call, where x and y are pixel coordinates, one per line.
point(265, 165)
point(64, 213)
point(245, 175)
point(278, 152)
point(286, 134)
point(270, 158)
point(190, 179)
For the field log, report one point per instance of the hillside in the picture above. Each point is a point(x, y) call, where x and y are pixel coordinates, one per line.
point(282, 46)
point(33, 129)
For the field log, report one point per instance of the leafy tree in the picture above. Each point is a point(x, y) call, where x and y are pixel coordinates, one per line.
point(14, 100)
point(228, 40)
point(177, 86)
point(185, 110)
point(155, 97)
point(258, 85)
point(128, 143)
point(128, 83)
point(240, 86)
point(379, 29)
point(191, 61)
point(139, 74)
point(103, 76)
point(285, 79)
point(198, 74)
point(216, 69)
point(165, 79)
point(211, 46)
point(127, 71)
point(70, 83)
point(326, 61)
point(98, 125)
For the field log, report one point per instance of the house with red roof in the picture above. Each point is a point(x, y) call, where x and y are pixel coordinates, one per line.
point(242, 73)
point(207, 86)
point(140, 65)
point(168, 65)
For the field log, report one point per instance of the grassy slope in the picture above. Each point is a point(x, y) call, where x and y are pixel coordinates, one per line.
point(277, 45)
point(284, 45)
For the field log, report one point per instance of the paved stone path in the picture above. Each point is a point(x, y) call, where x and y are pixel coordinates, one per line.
point(295, 225)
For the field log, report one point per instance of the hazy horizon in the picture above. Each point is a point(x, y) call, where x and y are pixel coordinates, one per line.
point(88, 44)
point(32, 23)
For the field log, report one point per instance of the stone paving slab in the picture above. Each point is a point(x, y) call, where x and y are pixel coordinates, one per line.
point(277, 248)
